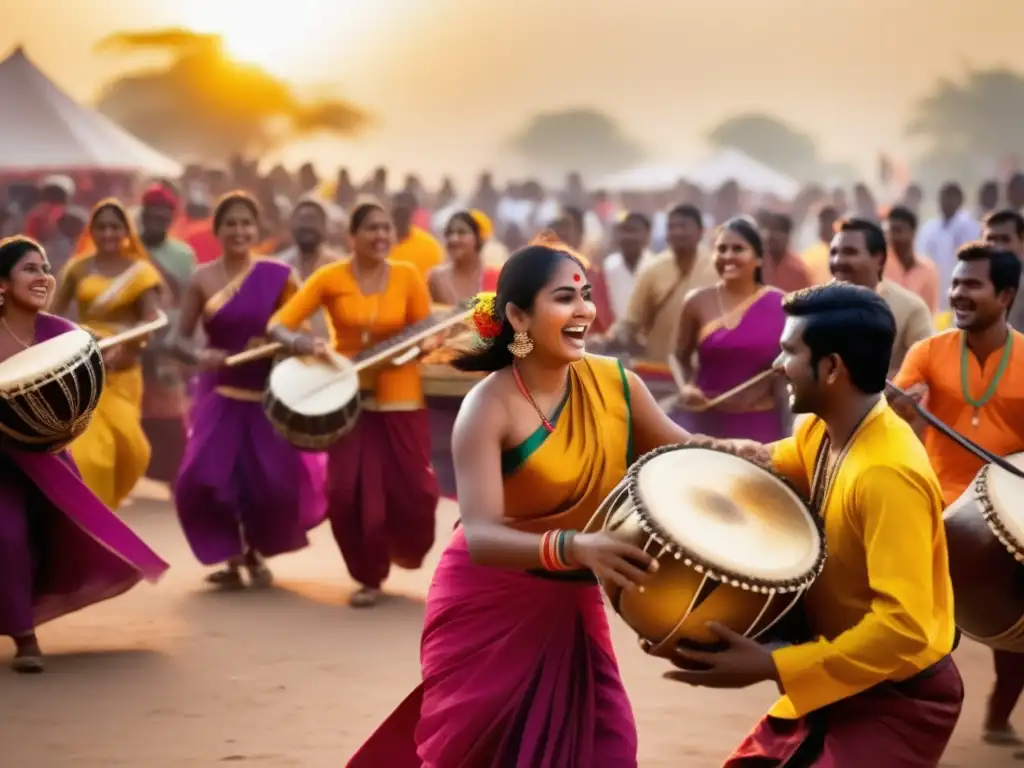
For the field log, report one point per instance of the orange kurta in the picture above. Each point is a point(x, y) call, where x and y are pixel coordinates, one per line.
point(420, 249)
point(404, 301)
point(936, 363)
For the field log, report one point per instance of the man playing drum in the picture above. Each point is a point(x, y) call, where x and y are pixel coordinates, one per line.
point(973, 377)
point(878, 680)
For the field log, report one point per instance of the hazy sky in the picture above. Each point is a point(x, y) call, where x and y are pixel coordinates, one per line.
point(448, 79)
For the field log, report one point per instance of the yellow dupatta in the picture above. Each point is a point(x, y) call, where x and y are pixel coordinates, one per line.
point(559, 479)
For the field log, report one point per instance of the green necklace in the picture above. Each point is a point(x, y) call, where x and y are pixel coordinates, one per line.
point(991, 389)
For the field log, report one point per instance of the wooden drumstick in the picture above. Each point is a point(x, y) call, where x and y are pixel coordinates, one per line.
point(670, 402)
point(256, 353)
point(134, 333)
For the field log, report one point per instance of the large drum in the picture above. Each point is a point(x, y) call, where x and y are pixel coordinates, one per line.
point(49, 391)
point(985, 538)
point(735, 544)
point(313, 403)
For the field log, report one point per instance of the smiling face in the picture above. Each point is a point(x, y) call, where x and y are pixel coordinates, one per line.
point(375, 236)
point(794, 363)
point(735, 259)
point(108, 230)
point(30, 284)
point(562, 313)
point(973, 297)
point(309, 227)
point(238, 230)
point(850, 261)
point(461, 241)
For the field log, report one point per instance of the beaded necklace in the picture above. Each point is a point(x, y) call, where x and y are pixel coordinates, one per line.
point(992, 386)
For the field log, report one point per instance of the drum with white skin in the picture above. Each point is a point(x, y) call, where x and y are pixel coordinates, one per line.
point(735, 545)
point(313, 403)
point(49, 392)
point(985, 539)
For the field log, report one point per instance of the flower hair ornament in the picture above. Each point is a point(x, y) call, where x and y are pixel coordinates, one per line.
point(485, 316)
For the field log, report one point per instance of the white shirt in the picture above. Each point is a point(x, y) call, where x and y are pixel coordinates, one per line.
point(620, 280)
point(939, 240)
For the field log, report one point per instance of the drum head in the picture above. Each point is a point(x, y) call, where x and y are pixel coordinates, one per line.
point(1003, 488)
point(42, 358)
point(730, 515)
point(312, 387)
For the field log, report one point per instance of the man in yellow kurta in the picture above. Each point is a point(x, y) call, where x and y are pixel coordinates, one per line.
point(413, 244)
point(876, 684)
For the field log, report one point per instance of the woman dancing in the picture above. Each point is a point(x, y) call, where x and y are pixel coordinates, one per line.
point(60, 548)
point(734, 327)
point(381, 491)
point(464, 275)
point(243, 493)
point(518, 667)
point(114, 288)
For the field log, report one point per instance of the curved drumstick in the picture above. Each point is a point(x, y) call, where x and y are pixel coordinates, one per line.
point(256, 353)
point(134, 333)
point(962, 440)
point(670, 402)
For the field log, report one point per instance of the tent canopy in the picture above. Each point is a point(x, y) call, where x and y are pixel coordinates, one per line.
point(44, 129)
point(710, 173)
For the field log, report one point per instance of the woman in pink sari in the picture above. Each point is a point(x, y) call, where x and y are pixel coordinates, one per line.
point(60, 548)
point(518, 667)
point(734, 327)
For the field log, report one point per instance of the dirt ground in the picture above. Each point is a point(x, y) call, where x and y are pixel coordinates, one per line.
point(173, 676)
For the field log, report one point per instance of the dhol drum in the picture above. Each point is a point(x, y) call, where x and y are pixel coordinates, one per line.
point(313, 403)
point(985, 538)
point(49, 391)
point(735, 544)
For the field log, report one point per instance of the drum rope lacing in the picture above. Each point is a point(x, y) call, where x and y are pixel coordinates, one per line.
point(691, 560)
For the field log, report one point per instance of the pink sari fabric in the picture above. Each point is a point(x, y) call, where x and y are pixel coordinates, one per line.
point(518, 671)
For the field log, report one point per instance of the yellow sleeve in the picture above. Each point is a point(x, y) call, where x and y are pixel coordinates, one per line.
point(639, 304)
point(418, 306)
point(898, 515)
point(301, 306)
point(147, 278)
point(914, 369)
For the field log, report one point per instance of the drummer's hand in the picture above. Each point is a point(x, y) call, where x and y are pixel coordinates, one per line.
point(904, 403)
point(209, 359)
point(752, 451)
point(692, 397)
point(743, 662)
point(114, 357)
point(612, 560)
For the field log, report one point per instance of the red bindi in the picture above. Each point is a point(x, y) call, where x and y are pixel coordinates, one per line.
point(576, 277)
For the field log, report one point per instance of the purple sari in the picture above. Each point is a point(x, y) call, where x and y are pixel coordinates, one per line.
point(241, 485)
point(60, 548)
point(731, 356)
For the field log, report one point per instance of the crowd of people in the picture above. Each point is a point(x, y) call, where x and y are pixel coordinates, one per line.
point(687, 297)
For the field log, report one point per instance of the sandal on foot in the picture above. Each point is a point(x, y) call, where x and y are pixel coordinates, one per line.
point(29, 664)
point(228, 578)
point(1002, 737)
point(260, 577)
point(364, 597)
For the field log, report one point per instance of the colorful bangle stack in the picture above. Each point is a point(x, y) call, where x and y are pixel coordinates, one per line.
point(554, 550)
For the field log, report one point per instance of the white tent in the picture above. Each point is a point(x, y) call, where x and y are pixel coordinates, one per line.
point(750, 174)
point(44, 129)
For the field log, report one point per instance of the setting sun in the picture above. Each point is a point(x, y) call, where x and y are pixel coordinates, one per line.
point(274, 36)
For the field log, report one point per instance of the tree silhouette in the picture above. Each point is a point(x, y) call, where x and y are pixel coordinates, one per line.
point(205, 106)
point(966, 126)
point(584, 140)
point(770, 140)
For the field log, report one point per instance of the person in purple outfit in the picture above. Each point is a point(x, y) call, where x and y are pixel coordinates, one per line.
point(61, 549)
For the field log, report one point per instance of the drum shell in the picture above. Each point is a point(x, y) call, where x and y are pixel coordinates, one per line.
point(82, 378)
point(988, 581)
point(664, 614)
point(311, 433)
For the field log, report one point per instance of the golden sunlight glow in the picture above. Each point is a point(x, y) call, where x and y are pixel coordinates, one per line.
point(274, 36)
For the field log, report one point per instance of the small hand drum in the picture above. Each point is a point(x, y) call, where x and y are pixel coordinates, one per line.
point(313, 403)
point(735, 544)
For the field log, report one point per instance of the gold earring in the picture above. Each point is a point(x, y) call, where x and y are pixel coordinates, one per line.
point(521, 345)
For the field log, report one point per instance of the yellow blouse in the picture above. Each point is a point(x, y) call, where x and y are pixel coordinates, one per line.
point(107, 305)
point(883, 606)
point(559, 479)
point(358, 322)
